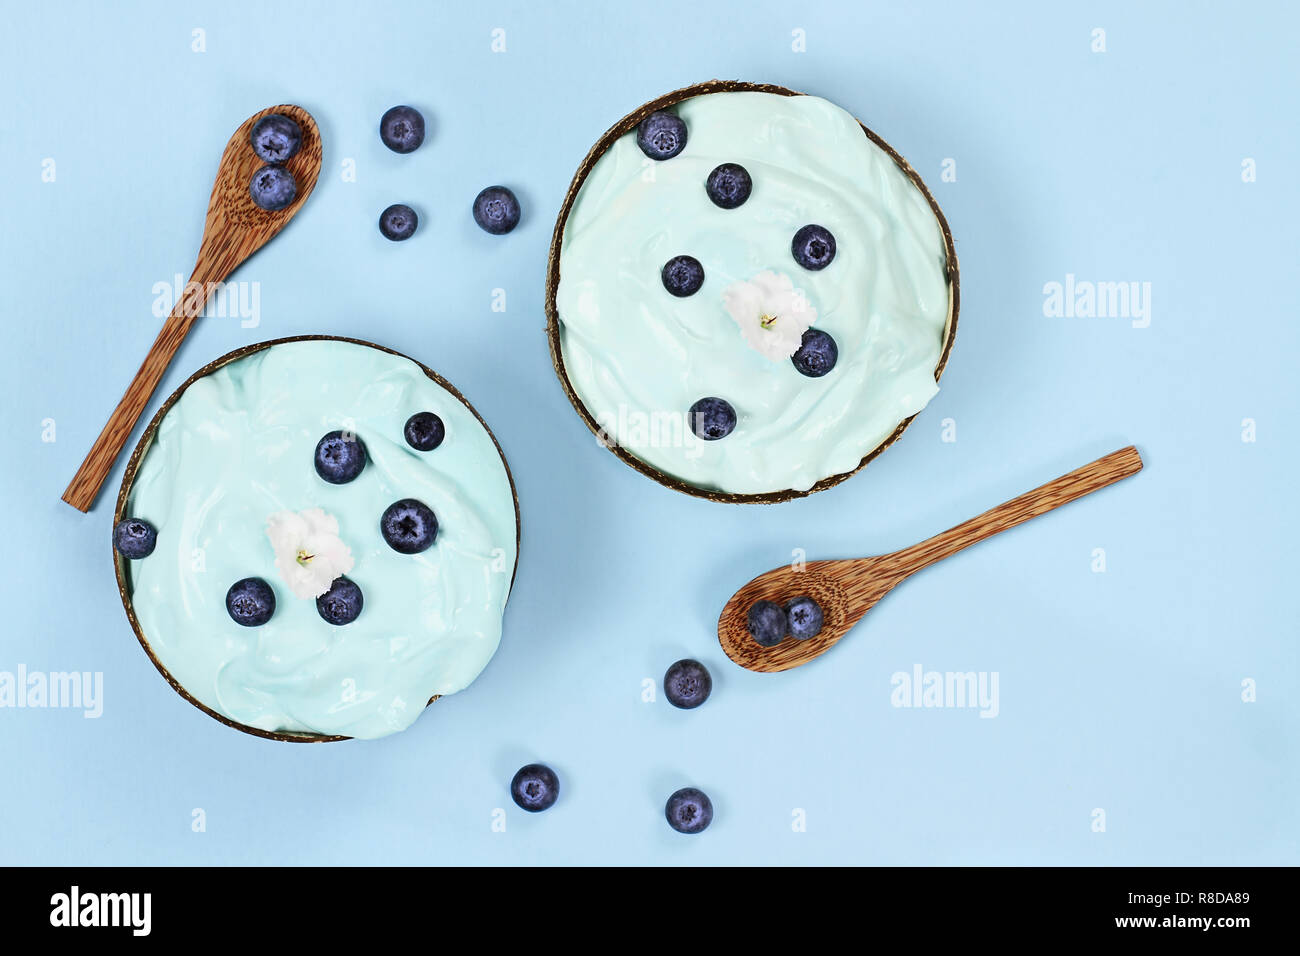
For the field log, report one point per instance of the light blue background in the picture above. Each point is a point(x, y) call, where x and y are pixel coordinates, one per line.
point(1119, 690)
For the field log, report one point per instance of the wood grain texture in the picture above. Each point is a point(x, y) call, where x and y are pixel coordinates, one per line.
point(235, 228)
point(847, 589)
point(626, 125)
point(122, 567)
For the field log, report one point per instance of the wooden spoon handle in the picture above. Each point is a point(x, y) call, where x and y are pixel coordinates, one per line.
point(84, 487)
point(1104, 471)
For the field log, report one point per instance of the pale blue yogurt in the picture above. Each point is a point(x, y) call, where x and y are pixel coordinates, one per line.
point(636, 355)
point(238, 446)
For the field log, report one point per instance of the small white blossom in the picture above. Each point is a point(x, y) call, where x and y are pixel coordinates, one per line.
point(308, 552)
point(772, 314)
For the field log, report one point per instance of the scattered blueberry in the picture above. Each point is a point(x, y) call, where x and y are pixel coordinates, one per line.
point(275, 138)
point(712, 418)
point(424, 431)
point(767, 623)
point(409, 526)
point(342, 603)
point(816, 355)
point(689, 810)
point(340, 456)
point(682, 275)
point(402, 129)
point(250, 602)
point(661, 135)
point(496, 210)
point(729, 185)
point(535, 787)
point(134, 538)
point(273, 187)
point(398, 222)
point(813, 247)
point(687, 684)
point(805, 617)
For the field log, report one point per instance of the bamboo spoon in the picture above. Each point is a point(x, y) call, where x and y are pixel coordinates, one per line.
point(848, 589)
point(235, 229)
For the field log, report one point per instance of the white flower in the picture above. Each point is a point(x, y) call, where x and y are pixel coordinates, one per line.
point(308, 552)
point(772, 314)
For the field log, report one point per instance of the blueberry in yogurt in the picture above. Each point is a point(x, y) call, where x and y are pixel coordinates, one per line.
point(813, 247)
point(398, 222)
point(134, 538)
point(805, 618)
point(496, 210)
point(816, 355)
point(729, 185)
point(409, 526)
point(767, 623)
point(272, 188)
point(276, 138)
point(250, 602)
point(342, 603)
point(535, 787)
point(711, 418)
point(687, 684)
point(689, 810)
point(402, 129)
point(424, 431)
point(340, 456)
point(682, 276)
point(661, 135)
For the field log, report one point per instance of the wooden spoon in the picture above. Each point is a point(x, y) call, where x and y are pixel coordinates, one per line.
point(847, 589)
point(236, 228)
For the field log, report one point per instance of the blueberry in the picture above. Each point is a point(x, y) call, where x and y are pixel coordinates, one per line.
point(661, 135)
point(250, 602)
point(273, 187)
point(275, 138)
point(424, 431)
point(398, 222)
point(135, 538)
point(689, 810)
point(496, 210)
point(729, 185)
point(402, 129)
point(340, 456)
point(687, 684)
point(535, 787)
point(767, 623)
point(342, 603)
point(805, 617)
point(682, 275)
point(813, 247)
point(816, 354)
point(711, 418)
point(409, 526)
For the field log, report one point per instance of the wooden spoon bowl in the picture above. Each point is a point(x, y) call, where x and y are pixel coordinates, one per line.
point(236, 227)
point(846, 590)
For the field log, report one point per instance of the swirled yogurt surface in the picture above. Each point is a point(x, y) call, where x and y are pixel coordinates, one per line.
point(637, 355)
point(239, 446)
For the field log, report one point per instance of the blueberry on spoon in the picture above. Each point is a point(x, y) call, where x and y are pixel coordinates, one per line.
point(276, 138)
